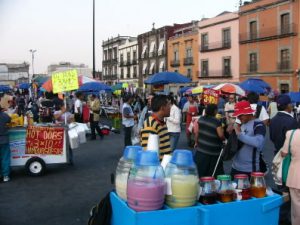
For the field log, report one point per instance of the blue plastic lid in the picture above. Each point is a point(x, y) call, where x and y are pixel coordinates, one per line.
point(147, 158)
point(130, 152)
point(182, 158)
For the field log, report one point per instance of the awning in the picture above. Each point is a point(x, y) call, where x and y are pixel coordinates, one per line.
point(152, 46)
point(162, 65)
point(144, 68)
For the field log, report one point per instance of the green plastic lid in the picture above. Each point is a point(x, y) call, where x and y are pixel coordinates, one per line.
point(224, 177)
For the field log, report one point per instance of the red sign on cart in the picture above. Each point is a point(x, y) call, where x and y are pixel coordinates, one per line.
point(44, 140)
point(210, 96)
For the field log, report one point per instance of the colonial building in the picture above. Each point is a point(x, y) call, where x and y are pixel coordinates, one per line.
point(12, 74)
point(110, 59)
point(82, 69)
point(269, 42)
point(219, 49)
point(153, 50)
point(183, 54)
point(128, 61)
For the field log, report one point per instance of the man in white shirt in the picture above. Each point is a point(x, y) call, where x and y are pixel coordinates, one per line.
point(173, 124)
point(78, 107)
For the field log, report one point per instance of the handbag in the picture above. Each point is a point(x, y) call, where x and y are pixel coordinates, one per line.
point(287, 161)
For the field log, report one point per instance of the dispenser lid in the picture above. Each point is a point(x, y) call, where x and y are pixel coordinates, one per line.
point(147, 158)
point(224, 177)
point(130, 152)
point(183, 158)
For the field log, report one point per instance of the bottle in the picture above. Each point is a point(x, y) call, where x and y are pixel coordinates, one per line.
point(243, 186)
point(258, 185)
point(208, 193)
point(182, 180)
point(146, 184)
point(123, 168)
point(226, 192)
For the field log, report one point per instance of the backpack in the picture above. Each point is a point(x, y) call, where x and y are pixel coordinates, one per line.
point(102, 212)
point(232, 146)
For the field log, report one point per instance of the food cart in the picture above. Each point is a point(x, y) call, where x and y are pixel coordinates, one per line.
point(37, 146)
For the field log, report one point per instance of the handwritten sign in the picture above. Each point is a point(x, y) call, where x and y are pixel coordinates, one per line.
point(65, 81)
point(45, 140)
point(210, 96)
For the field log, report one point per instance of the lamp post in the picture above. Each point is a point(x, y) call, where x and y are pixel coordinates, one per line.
point(94, 75)
point(32, 60)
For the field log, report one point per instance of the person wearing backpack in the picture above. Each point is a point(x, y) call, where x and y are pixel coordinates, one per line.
point(251, 133)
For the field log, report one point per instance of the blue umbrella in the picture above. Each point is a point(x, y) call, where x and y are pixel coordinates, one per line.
point(24, 86)
point(184, 89)
point(295, 96)
point(95, 87)
point(255, 85)
point(4, 88)
point(167, 78)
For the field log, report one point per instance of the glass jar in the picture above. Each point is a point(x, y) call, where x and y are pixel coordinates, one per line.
point(258, 185)
point(243, 186)
point(226, 192)
point(146, 183)
point(208, 193)
point(182, 180)
point(123, 168)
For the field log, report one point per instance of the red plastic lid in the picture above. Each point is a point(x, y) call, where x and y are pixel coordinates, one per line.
point(257, 174)
point(241, 176)
point(203, 179)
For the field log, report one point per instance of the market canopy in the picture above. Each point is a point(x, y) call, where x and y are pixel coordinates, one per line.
point(24, 86)
point(184, 89)
point(295, 96)
point(119, 86)
point(230, 88)
point(167, 78)
point(255, 85)
point(95, 87)
point(4, 88)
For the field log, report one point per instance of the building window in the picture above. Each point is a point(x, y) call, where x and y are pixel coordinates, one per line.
point(189, 73)
point(121, 60)
point(128, 57)
point(188, 52)
point(204, 41)
point(105, 55)
point(115, 53)
point(253, 62)
point(284, 88)
point(176, 55)
point(204, 68)
point(227, 67)
point(284, 59)
point(285, 23)
point(122, 73)
point(128, 72)
point(253, 30)
point(226, 37)
point(134, 72)
point(134, 55)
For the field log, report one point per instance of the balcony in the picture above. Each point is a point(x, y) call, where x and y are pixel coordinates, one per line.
point(122, 63)
point(215, 46)
point(161, 52)
point(152, 54)
point(128, 63)
point(284, 66)
point(110, 77)
point(175, 63)
point(134, 62)
point(215, 74)
point(188, 61)
point(265, 34)
point(134, 75)
point(252, 67)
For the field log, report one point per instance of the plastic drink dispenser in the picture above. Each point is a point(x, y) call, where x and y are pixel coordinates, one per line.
point(146, 183)
point(182, 180)
point(123, 168)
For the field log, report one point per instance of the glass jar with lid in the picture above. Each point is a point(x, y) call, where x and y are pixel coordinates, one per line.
point(226, 191)
point(208, 193)
point(242, 186)
point(258, 185)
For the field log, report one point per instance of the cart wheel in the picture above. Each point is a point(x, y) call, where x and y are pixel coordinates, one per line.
point(35, 166)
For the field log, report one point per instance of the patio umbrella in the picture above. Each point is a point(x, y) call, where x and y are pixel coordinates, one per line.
point(24, 86)
point(184, 89)
point(4, 88)
point(255, 85)
point(295, 96)
point(167, 78)
point(94, 87)
point(230, 88)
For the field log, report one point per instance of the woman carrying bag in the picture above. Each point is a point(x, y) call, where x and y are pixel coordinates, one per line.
point(292, 146)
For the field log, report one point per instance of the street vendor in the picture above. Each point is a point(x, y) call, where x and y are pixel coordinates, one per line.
point(190, 109)
point(4, 146)
point(63, 115)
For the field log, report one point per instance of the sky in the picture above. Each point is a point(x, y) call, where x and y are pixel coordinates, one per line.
point(61, 30)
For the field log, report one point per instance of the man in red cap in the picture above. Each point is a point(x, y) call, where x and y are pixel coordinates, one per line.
point(251, 133)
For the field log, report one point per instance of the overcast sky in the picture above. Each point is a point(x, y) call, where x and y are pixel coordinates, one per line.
point(61, 30)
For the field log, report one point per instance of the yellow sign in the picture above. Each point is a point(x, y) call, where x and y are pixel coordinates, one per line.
point(65, 81)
